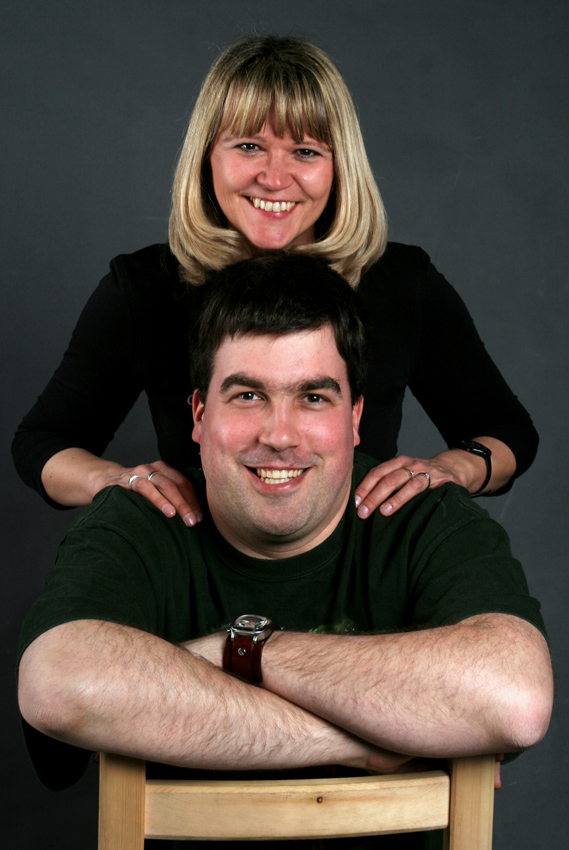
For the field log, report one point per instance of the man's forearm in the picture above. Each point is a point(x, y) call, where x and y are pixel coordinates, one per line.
point(483, 685)
point(108, 687)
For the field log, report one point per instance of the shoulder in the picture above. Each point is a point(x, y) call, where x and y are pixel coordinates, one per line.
point(399, 259)
point(147, 284)
point(152, 261)
point(123, 510)
point(405, 277)
point(399, 276)
point(150, 271)
point(433, 515)
point(441, 512)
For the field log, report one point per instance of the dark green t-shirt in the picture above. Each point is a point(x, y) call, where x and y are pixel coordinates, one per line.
point(438, 560)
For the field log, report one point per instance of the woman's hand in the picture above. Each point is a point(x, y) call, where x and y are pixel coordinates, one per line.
point(73, 477)
point(164, 486)
point(392, 484)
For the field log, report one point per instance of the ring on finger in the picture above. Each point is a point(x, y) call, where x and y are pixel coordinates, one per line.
point(427, 476)
point(152, 474)
point(410, 471)
point(131, 479)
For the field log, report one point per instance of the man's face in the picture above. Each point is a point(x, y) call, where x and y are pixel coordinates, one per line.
point(277, 436)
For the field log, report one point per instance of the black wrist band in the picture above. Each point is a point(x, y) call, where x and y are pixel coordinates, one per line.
point(475, 448)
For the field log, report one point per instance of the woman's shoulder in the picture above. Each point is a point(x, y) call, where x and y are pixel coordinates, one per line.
point(147, 280)
point(399, 277)
point(398, 260)
point(148, 267)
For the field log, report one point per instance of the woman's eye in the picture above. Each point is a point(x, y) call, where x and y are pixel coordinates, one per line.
point(307, 153)
point(248, 147)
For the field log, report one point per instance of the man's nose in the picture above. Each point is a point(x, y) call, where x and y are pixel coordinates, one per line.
point(279, 430)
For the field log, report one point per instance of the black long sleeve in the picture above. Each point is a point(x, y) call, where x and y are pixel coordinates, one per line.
point(422, 336)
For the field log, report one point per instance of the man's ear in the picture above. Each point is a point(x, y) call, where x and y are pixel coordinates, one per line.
point(357, 411)
point(198, 410)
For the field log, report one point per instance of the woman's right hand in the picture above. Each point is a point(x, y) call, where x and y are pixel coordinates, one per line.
point(73, 477)
point(163, 486)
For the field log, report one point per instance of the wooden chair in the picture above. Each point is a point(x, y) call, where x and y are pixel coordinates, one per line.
point(131, 807)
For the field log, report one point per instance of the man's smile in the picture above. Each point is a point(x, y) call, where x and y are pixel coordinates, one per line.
point(278, 476)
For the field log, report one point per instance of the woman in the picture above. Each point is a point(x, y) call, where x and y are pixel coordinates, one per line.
point(273, 159)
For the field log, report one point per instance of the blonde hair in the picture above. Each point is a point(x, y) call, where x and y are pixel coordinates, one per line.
point(307, 93)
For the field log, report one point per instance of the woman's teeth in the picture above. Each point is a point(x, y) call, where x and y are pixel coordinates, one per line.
point(273, 206)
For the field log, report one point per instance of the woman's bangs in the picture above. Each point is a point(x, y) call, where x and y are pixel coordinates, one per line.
point(294, 108)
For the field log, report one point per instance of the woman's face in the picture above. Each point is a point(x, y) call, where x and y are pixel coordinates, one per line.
point(272, 190)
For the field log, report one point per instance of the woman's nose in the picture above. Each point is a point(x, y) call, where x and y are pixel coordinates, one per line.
point(274, 175)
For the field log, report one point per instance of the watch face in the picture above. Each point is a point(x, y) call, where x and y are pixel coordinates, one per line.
point(251, 622)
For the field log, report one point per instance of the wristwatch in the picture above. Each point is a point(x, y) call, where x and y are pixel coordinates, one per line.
point(483, 451)
point(246, 637)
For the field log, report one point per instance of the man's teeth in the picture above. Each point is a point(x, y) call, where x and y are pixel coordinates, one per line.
point(273, 206)
point(276, 476)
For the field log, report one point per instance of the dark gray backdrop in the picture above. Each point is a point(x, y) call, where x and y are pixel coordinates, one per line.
point(464, 110)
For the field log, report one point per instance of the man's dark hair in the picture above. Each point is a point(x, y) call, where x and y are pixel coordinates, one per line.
point(276, 294)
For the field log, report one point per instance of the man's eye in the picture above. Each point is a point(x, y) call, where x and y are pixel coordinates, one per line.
point(248, 396)
point(314, 398)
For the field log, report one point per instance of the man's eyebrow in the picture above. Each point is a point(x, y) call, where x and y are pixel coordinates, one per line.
point(324, 383)
point(240, 379)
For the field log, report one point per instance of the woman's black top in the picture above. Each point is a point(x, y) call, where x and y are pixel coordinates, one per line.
point(131, 337)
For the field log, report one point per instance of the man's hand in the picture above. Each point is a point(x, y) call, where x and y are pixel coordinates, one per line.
point(209, 647)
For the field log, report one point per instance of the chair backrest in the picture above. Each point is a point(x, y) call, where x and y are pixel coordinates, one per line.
point(460, 801)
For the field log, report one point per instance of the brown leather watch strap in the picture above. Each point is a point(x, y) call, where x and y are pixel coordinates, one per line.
point(242, 655)
point(246, 658)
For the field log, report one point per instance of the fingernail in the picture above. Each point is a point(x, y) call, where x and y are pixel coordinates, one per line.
point(169, 510)
point(189, 520)
point(363, 512)
point(358, 501)
point(386, 509)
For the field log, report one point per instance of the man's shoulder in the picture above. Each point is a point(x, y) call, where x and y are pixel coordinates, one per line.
point(436, 511)
point(116, 505)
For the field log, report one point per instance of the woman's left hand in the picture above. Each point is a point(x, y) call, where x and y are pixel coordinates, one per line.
point(392, 484)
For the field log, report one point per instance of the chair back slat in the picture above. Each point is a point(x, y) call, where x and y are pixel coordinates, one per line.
point(277, 809)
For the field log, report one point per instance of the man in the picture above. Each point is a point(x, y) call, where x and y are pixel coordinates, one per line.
point(401, 637)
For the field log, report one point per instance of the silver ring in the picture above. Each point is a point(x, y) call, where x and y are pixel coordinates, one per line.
point(131, 479)
point(410, 471)
point(427, 476)
point(152, 474)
